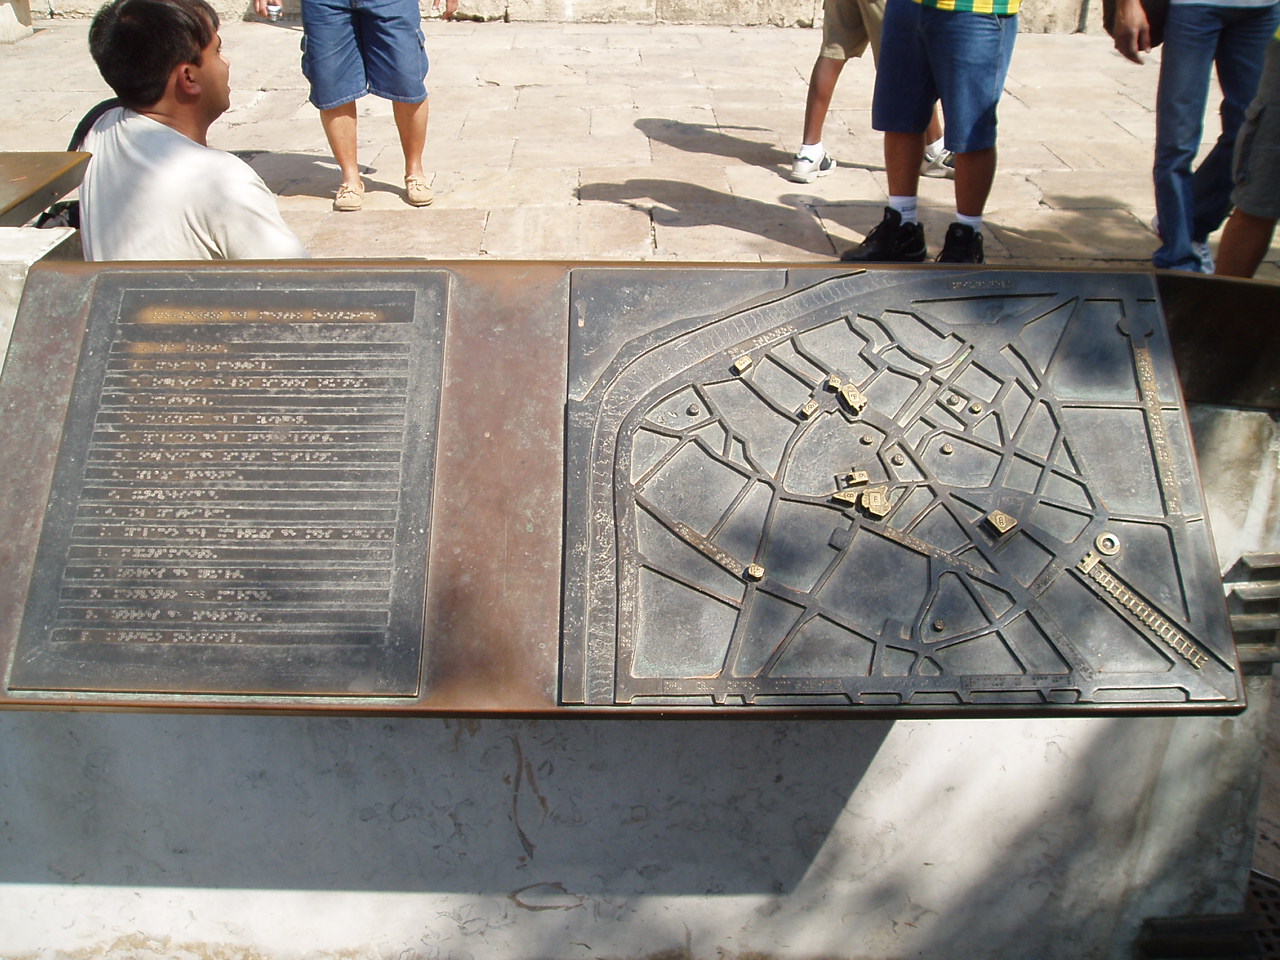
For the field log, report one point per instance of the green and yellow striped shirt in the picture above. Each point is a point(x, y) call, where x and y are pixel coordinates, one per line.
point(974, 6)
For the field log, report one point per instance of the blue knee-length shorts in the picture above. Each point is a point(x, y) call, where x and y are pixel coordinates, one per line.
point(354, 47)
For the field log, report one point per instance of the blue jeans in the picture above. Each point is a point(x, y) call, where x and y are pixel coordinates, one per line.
point(927, 54)
point(1197, 38)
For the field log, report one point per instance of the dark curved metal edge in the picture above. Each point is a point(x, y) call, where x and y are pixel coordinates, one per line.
point(1226, 338)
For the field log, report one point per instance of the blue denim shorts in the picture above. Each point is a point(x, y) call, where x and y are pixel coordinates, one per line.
point(354, 47)
point(954, 56)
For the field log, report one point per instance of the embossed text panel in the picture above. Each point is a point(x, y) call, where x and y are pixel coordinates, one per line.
point(242, 496)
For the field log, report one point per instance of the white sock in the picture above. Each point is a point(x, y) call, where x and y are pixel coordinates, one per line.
point(975, 222)
point(905, 206)
point(934, 150)
point(811, 151)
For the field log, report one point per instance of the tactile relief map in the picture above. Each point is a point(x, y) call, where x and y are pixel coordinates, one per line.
point(893, 490)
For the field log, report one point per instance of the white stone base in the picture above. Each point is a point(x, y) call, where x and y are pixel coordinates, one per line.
point(152, 837)
point(15, 20)
point(20, 247)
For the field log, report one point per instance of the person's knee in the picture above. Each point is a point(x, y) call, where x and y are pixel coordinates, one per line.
point(1252, 222)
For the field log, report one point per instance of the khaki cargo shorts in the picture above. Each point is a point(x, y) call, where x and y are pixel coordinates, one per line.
point(849, 25)
point(1257, 160)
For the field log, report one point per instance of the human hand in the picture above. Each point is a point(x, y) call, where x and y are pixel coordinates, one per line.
point(1131, 31)
point(260, 7)
point(450, 7)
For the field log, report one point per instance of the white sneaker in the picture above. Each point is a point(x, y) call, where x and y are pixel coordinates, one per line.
point(939, 165)
point(1202, 251)
point(804, 170)
point(1199, 248)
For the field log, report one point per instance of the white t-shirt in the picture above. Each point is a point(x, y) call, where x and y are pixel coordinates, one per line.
point(151, 193)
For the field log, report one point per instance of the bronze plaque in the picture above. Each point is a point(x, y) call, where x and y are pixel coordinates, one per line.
point(242, 497)
point(895, 489)
point(783, 490)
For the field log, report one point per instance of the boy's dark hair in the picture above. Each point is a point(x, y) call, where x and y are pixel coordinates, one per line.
point(137, 43)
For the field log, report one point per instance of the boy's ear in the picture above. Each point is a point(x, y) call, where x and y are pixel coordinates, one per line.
point(185, 81)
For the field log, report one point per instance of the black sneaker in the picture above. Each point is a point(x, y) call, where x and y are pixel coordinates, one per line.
point(963, 245)
point(891, 241)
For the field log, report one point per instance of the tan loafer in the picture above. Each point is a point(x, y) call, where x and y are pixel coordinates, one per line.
point(417, 191)
point(349, 197)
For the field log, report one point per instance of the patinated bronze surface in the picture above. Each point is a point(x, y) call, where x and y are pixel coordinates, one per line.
point(243, 491)
point(30, 182)
point(545, 489)
point(885, 489)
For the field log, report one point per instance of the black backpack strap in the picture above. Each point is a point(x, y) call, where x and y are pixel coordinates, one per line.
point(66, 213)
point(88, 120)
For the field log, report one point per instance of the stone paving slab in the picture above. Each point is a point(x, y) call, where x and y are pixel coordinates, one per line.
point(611, 232)
point(1103, 236)
point(649, 141)
point(625, 149)
point(484, 189)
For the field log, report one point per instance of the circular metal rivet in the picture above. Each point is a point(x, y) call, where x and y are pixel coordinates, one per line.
point(975, 407)
point(755, 572)
point(693, 410)
point(948, 449)
point(868, 439)
point(899, 459)
point(938, 625)
point(1108, 544)
point(955, 400)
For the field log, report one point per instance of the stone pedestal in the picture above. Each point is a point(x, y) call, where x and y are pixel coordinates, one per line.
point(15, 20)
point(20, 247)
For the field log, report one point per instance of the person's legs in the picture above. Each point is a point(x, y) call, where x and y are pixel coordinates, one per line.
point(975, 173)
point(811, 160)
point(902, 155)
point(392, 45)
point(1245, 241)
point(332, 63)
point(934, 130)
point(411, 125)
point(822, 85)
point(970, 54)
point(848, 27)
point(1242, 47)
point(340, 130)
point(395, 59)
point(905, 96)
point(845, 34)
point(900, 108)
point(938, 160)
point(1191, 37)
point(1247, 235)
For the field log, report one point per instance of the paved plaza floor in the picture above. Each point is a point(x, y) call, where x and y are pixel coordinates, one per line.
point(649, 142)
